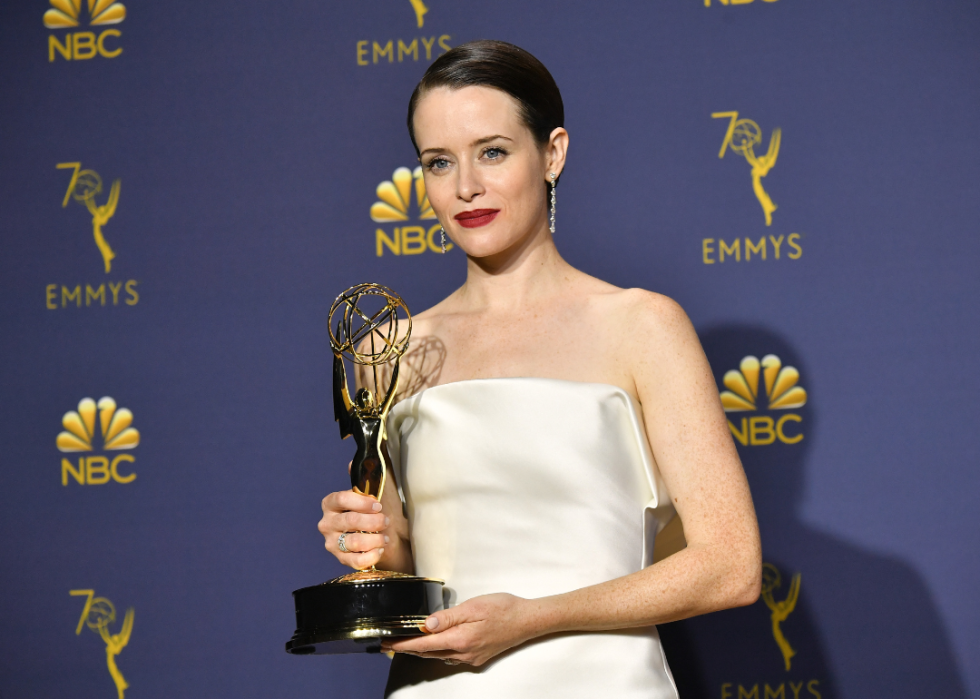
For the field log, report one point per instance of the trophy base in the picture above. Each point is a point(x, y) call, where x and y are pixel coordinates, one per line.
point(355, 612)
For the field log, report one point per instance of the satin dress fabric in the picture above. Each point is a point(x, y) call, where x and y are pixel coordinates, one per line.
point(533, 487)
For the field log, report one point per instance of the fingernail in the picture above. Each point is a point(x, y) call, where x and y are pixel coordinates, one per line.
point(381, 550)
point(376, 507)
point(432, 623)
point(386, 538)
point(387, 519)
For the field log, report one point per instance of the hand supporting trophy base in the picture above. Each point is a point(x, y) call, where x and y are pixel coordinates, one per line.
point(355, 612)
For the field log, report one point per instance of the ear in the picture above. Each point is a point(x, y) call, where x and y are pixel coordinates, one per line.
point(555, 151)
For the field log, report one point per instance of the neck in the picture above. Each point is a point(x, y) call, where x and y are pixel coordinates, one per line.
point(530, 270)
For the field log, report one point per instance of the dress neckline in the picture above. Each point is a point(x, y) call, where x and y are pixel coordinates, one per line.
point(592, 389)
point(596, 384)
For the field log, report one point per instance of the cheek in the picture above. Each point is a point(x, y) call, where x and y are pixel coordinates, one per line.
point(440, 191)
point(520, 191)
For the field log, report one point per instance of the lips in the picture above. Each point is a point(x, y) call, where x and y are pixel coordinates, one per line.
point(476, 218)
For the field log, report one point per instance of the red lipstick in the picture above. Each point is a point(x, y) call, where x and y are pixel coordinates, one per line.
point(476, 218)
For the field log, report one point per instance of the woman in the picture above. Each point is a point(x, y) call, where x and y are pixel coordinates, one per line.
point(564, 423)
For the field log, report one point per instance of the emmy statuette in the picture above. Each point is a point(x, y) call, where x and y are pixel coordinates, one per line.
point(355, 612)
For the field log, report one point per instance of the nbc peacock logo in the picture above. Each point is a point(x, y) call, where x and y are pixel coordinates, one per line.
point(78, 46)
point(394, 206)
point(65, 13)
point(781, 393)
point(117, 434)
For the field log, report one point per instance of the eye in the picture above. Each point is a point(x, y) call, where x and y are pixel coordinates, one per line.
point(437, 164)
point(494, 153)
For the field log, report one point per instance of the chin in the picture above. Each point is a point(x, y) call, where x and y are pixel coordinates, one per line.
point(486, 242)
point(483, 248)
point(479, 244)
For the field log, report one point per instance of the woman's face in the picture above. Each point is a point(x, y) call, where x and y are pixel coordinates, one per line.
point(484, 173)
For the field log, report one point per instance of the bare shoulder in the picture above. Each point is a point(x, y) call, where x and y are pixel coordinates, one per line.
point(650, 329)
point(640, 324)
point(625, 301)
point(657, 336)
point(647, 314)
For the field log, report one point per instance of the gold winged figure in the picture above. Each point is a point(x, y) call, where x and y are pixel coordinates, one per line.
point(114, 644)
point(363, 419)
point(742, 136)
point(761, 165)
point(780, 611)
point(420, 10)
point(100, 217)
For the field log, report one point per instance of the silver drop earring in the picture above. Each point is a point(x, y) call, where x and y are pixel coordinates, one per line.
point(442, 232)
point(552, 203)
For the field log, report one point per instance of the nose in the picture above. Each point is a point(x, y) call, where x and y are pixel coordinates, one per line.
point(468, 186)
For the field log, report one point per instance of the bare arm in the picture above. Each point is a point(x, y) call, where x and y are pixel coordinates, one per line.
point(721, 566)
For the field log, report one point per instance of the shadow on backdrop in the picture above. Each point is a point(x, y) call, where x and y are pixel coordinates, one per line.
point(835, 620)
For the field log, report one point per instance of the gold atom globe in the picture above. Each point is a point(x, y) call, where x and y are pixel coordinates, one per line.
point(364, 324)
point(745, 135)
point(87, 185)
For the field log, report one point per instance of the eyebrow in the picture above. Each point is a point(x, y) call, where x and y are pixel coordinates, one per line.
point(478, 142)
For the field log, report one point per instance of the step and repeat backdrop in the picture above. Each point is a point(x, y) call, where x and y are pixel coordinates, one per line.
point(185, 187)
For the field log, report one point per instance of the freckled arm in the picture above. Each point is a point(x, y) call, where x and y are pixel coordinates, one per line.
point(721, 566)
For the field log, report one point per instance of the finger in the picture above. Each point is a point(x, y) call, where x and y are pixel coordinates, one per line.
point(446, 619)
point(450, 657)
point(332, 525)
point(357, 522)
point(363, 561)
point(448, 642)
point(358, 561)
point(348, 500)
point(357, 542)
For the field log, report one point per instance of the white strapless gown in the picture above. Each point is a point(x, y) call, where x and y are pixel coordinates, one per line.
point(533, 487)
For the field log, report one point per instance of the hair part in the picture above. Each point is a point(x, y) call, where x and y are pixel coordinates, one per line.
point(501, 66)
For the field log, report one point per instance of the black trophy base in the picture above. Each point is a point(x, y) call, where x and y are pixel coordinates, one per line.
point(355, 612)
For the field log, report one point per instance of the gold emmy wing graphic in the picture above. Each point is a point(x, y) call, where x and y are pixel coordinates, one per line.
point(742, 137)
point(114, 425)
point(394, 197)
point(65, 13)
point(780, 611)
point(98, 614)
point(84, 186)
point(780, 383)
point(420, 10)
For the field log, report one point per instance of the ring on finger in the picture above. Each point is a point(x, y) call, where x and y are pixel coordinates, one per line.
point(342, 543)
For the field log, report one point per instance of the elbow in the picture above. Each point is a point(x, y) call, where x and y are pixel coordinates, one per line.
point(747, 571)
point(750, 590)
point(747, 581)
point(739, 581)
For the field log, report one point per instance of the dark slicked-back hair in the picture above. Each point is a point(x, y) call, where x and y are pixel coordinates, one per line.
point(504, 67)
